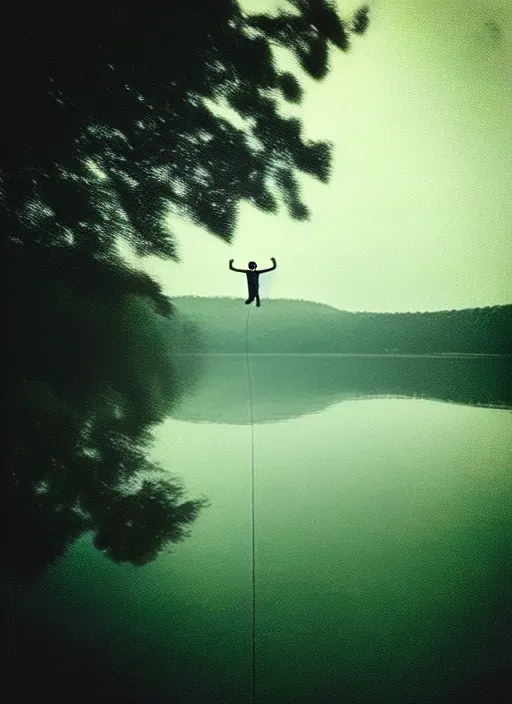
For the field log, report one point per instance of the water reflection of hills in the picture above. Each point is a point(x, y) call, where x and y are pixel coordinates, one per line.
point(289, 386)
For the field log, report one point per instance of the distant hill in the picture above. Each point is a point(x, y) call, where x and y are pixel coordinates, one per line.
point(297, 326)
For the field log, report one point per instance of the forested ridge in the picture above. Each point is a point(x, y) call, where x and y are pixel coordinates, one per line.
point(305, 327)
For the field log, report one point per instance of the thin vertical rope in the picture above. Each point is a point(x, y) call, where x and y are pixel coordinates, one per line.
point(253, 521)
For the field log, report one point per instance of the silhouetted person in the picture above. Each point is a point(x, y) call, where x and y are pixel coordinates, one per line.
point(253, 283)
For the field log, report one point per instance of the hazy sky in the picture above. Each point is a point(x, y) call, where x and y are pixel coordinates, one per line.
point(418, 213)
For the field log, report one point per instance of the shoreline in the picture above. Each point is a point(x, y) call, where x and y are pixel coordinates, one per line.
point(429, 355)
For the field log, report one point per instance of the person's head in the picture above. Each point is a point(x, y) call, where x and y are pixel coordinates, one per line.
point(252, 265)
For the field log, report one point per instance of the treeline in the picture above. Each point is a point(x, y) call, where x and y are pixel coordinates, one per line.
point(304, 327)
point(474, 330)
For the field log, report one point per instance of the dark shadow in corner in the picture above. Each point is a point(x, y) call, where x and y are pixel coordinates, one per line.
point(91, 366)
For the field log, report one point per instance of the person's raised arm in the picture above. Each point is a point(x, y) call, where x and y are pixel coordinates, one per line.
point(233, 268)
point(263, 271)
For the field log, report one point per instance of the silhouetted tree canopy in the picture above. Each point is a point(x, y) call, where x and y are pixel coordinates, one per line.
point(108, 124)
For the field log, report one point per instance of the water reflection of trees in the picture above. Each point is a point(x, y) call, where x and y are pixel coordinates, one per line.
point(291, 386)
point(91, 368)
point(110, 129)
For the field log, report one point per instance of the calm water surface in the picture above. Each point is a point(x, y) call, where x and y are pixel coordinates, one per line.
point(382, 558)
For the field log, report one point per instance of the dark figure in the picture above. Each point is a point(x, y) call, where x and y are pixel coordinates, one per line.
point(253, 278)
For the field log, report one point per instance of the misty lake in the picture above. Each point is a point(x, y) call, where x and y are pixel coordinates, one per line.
point(382, 534)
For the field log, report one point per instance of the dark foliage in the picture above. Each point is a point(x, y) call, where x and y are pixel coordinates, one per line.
point(109, 125)
point(361, 20)
point(121, 87)
point(91, 367)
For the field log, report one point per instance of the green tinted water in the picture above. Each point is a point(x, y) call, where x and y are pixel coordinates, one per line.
point(382, 567)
